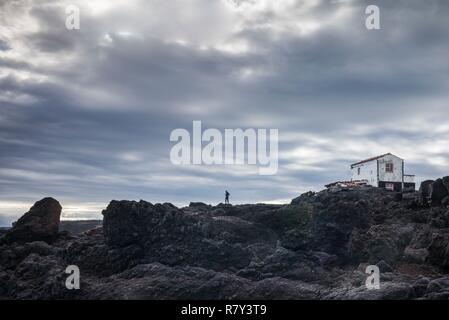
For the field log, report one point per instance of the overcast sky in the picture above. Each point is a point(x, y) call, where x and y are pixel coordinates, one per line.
point(86, 115)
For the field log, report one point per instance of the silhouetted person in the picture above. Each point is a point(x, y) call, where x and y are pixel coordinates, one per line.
point(227, 197)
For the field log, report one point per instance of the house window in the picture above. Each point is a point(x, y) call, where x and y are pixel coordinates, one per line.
point(389, 186)
point(358, 171)
point(389, 167)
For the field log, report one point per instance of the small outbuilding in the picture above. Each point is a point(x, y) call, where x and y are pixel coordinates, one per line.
point(385, 171)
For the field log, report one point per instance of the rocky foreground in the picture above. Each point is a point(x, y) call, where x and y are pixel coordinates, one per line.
point(316, 248)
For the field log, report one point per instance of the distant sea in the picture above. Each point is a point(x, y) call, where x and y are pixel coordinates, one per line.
point(73, 226)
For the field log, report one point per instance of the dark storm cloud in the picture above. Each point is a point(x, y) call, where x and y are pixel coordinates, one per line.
point(86, 114)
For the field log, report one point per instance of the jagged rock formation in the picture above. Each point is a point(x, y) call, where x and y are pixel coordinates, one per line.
point(315, 248)
point(40, 223)
point(435, 192)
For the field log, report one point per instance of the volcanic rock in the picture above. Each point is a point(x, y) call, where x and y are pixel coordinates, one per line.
point(424, 189)
point(41, 222)
point(316, 248)
point(446, 182)
point(438, 191)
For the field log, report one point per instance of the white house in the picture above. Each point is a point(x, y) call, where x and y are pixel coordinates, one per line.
point(385, 171)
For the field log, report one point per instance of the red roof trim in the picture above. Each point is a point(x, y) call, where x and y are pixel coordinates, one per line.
point(370, 159)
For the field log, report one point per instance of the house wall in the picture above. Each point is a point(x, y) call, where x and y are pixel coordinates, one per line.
point(409, 185)
point(397, 186)
point(396, 175)
point(368, 171)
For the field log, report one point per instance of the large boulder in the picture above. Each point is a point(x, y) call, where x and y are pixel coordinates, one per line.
point(438, 191)
point(446, 182)
point(424, 189)
point(124, 223)
point(130, 222)
point(175, 237)
point(40, 223)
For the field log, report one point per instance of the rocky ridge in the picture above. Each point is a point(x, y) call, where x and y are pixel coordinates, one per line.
point(315, 248)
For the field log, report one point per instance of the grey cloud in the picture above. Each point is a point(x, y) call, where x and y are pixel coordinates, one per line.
point(4, 46)
point(97, 125)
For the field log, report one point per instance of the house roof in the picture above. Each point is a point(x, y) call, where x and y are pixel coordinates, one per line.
point(371, 159)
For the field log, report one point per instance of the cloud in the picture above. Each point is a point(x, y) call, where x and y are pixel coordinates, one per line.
point(86, 114)
point(4, 45)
